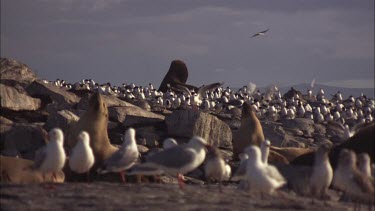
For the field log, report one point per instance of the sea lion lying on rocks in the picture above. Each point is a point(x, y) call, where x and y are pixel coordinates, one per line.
point(361, 142)
point(18, 171)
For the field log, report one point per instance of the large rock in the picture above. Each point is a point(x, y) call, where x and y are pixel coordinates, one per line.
point(188, 123)
point(61, 119)
point(110, 101)
point(273, 132)
point(15, 100)
point(24, 138)
point(132, 115)
point(58, 95)
point(303, 124)
point(11, 69)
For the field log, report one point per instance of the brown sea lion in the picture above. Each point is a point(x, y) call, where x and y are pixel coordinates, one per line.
point(18, 171)
point(95, 122)
point(361, 142)
point(176, 76)
point(249, 133)
point(276, 158)
point(290, 153)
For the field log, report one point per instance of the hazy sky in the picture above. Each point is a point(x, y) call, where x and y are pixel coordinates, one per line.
point(135, 40)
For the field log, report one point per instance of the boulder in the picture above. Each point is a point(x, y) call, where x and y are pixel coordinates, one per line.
point(132, 115)
point(48, 92)
point(303, 124)
point(24, 138)
point(149, 136)
point(189, 123)
point(61, 119)
point(109, 100)
point(11, 69)
point(273, 132)
point(143, 104)
point(15, 100)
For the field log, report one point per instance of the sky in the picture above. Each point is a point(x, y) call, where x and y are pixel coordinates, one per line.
point(134, 41)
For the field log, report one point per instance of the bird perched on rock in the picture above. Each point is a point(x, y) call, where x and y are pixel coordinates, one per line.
point(82, 158)
point(124, 158)
point(51, 158)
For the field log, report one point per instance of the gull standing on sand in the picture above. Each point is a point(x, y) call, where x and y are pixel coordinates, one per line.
point(124, 158)
point(259, 175)
point(350, 180)
point(364, 164)
point(177, 160)
point(322, 172)
point(51, 158)
point(240, 173)
point(82, 158)
point(215, 167)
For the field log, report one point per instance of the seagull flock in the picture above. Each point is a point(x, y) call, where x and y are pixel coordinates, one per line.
point(254, 173)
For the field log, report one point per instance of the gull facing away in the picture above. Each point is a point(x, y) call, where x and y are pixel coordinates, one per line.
point(82, 158)
point(260, 33)
point(177, 160)
point(124, 158)
point(51, 158)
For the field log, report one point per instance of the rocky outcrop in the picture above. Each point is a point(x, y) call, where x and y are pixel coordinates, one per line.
point(58, 95)
point(11, 69)
point(110, 101)
point(61, 119)
point(188, 123)
point(24, 139)
point(15, 100)
point(133, 116)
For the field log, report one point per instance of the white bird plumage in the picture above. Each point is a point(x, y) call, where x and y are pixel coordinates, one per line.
point(82, 157)
point(51, 158)
point(261, 177)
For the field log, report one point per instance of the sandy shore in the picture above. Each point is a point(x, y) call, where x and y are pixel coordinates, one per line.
point(116, 196)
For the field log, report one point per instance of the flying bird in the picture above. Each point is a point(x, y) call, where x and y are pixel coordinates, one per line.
point(260, 33)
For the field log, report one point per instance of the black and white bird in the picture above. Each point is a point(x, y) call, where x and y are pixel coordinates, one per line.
point(260, 33)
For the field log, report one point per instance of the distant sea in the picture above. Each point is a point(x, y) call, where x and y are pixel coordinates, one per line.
point(328, 90)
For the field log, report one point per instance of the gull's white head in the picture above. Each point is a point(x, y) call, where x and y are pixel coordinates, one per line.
point(84, 137)
point(197, 141)
point(57, 135)
point(254, 153)
point(243, 156)
point(169, 142)
point(266, 143)
point(129, 137)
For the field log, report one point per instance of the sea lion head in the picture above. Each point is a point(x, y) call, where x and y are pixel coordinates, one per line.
point(97, 104)
point(246, 109)
point(177, 72)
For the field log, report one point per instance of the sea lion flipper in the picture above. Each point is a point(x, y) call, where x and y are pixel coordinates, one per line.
point(209, 87)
